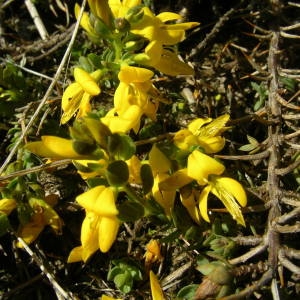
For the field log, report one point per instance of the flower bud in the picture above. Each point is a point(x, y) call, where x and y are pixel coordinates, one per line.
point(122, 24)
point(117, 173)
point(135, 14)
point(82, 147)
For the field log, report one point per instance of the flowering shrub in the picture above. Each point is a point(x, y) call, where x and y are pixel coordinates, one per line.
point(123, 184)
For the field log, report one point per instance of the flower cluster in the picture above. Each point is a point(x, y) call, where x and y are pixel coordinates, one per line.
point(123, 184)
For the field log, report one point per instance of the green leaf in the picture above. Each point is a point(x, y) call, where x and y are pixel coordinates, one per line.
point(121, 146)
point(4, 224)
point(147, 178)
point(117, 173)
point(130, 211)
point(187, 292)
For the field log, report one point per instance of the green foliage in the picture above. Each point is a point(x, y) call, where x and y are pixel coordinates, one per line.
point(187, 292)
point(261, 94)
point(124, 273)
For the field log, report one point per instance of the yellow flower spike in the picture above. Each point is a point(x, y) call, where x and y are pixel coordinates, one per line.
point(7, 205)
point(108, 230)
point(87, 82)
point(156, 290)
point(200, 166)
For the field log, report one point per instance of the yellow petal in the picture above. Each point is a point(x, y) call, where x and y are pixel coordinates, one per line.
point(108, 230)
point(134, 166)
point(104, 297)
point(156, 290)
point(75, 255)
point(89, 235)
point(234, 188)
point(105, 205)
point(86, 81)
point(164, 198)
point(154, 50)
point(129, 74)
point(39, 149)
point(176, 180)
point(7, 205)
point(168, 16)
point(158, 161)
point(130, 119)
point(31, 230)
point(84, 106)
point(88, 199)
point(212, 144)
point(189, 202)
point(200, 166)
point(203, 202)
point(170, 64)
point(85, 20)
point(63, 148)
point(228, 200)
point(71, 97)
point(196, 124)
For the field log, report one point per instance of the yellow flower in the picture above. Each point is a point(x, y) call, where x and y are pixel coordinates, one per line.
point(130, 119)
point(156, 290)
point(54, 147)
point(43, 215)
point(100, 226)
point(204, 133)
point(77, 95)
point(7, 205)
point(134, 97)
point(153, 253)
point(165, 61)
point(206, 171)
point(158, 28)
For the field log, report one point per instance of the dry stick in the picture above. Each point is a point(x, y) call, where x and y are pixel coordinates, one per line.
point(273, 180)
point(47, 94)
point(252, 288)
point(36, 19)
point(58, 289)
point(212, 34)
